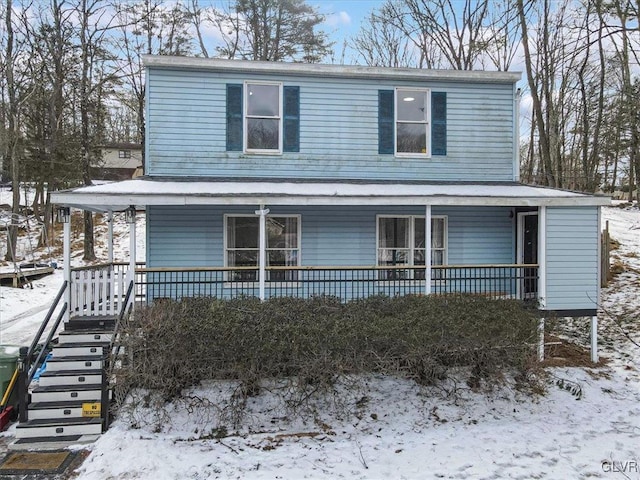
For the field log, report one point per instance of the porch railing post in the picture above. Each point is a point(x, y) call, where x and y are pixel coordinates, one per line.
point(542, 273)
point(262, 256)
point(66, 254)
point(542, 256)
point(110, 237)
point(131, 274)
point(23, 373)
point(427, 250)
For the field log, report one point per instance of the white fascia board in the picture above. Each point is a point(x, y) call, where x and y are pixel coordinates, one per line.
point(323, 70)
point(104, 202)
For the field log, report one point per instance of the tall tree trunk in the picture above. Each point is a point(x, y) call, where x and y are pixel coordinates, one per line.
point(11, 154)
point(543, 137)
point(85, 55)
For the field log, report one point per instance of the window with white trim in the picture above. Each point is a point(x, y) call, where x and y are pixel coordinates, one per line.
point(412, 122)
point(263, 117)
point(401, 242)
point(242, 245)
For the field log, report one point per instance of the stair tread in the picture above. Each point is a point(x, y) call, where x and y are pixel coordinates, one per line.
point(81, 344)
point(90, 331)
point(65, 438)
point(104, 326)
point(83, 318)
point(52, 422)
point(71, 373)
point(67, 388)
point(77, 358)
point(61, 404)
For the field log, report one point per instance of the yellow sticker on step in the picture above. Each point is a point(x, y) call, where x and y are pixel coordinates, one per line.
point(91, 410)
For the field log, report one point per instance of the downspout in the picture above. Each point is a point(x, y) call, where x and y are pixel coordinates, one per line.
point(542, 274)
point(262, 255)
point(516, 135)
point(427, 250)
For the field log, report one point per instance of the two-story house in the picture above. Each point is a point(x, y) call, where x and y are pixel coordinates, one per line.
point(291, 179)
point(273, 179)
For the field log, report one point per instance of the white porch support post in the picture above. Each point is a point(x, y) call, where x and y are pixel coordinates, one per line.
point(110, 236)
point(427, 250)
point(66, 254)
point(594, 319)
point(262, 245)
point(542, 274)
point(131, 219)
point(594, 339)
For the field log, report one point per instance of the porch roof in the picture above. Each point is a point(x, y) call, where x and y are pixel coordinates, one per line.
point(144, 191)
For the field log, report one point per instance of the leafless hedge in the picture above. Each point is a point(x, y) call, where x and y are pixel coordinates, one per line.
point(308, 344)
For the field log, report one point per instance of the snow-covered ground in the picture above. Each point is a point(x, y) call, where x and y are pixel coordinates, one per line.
point(395, 429)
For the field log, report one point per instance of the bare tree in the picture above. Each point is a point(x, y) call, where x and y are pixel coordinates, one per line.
point(382, 44)
point(147, 27)
point(95, 21)
point(272, 30)
point(455, 29)
point(11, 152)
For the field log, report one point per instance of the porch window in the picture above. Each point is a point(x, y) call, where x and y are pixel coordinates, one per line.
point(263, 118)
point(283, 245)
point(401, 241)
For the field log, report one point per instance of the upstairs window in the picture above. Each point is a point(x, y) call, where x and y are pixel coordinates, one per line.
point(124, 154)
point(412, 122)
point(263, 118)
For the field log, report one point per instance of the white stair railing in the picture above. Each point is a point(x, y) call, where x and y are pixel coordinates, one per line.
point(97, 290)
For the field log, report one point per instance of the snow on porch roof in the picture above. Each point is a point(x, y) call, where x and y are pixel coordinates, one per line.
point(144, 191)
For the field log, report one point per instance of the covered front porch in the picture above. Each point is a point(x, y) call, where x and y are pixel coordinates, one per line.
point(350, 240)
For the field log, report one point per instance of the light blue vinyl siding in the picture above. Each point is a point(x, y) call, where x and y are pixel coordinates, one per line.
point(186, 130)
point(572, 258)
point(331, 236)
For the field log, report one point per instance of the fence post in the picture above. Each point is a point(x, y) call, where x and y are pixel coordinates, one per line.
point(23, 373)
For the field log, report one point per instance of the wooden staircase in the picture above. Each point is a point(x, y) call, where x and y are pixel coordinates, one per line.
point(74, 377)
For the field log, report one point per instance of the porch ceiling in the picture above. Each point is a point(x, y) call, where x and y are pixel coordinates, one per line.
point(144, 191)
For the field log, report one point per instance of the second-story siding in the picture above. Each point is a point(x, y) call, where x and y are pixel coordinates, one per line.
point(186, 129)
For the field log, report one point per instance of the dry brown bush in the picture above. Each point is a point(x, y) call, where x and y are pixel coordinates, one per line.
point(307, 344)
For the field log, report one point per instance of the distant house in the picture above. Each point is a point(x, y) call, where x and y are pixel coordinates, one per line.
point(119, 161)
point(274, 179)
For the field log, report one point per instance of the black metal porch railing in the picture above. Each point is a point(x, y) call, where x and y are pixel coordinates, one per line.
point(493, 281)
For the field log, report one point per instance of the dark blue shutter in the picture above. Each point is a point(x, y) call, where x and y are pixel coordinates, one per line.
point(385, 121)
point(438, 123)
point(234, 117)
point(291, 128)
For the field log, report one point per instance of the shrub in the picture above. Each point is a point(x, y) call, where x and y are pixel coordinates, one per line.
point(309, 343)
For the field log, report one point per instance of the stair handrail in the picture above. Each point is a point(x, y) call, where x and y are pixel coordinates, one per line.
point(46, 320)
point(27, 367)
point(112, 353)
point(52, 332)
